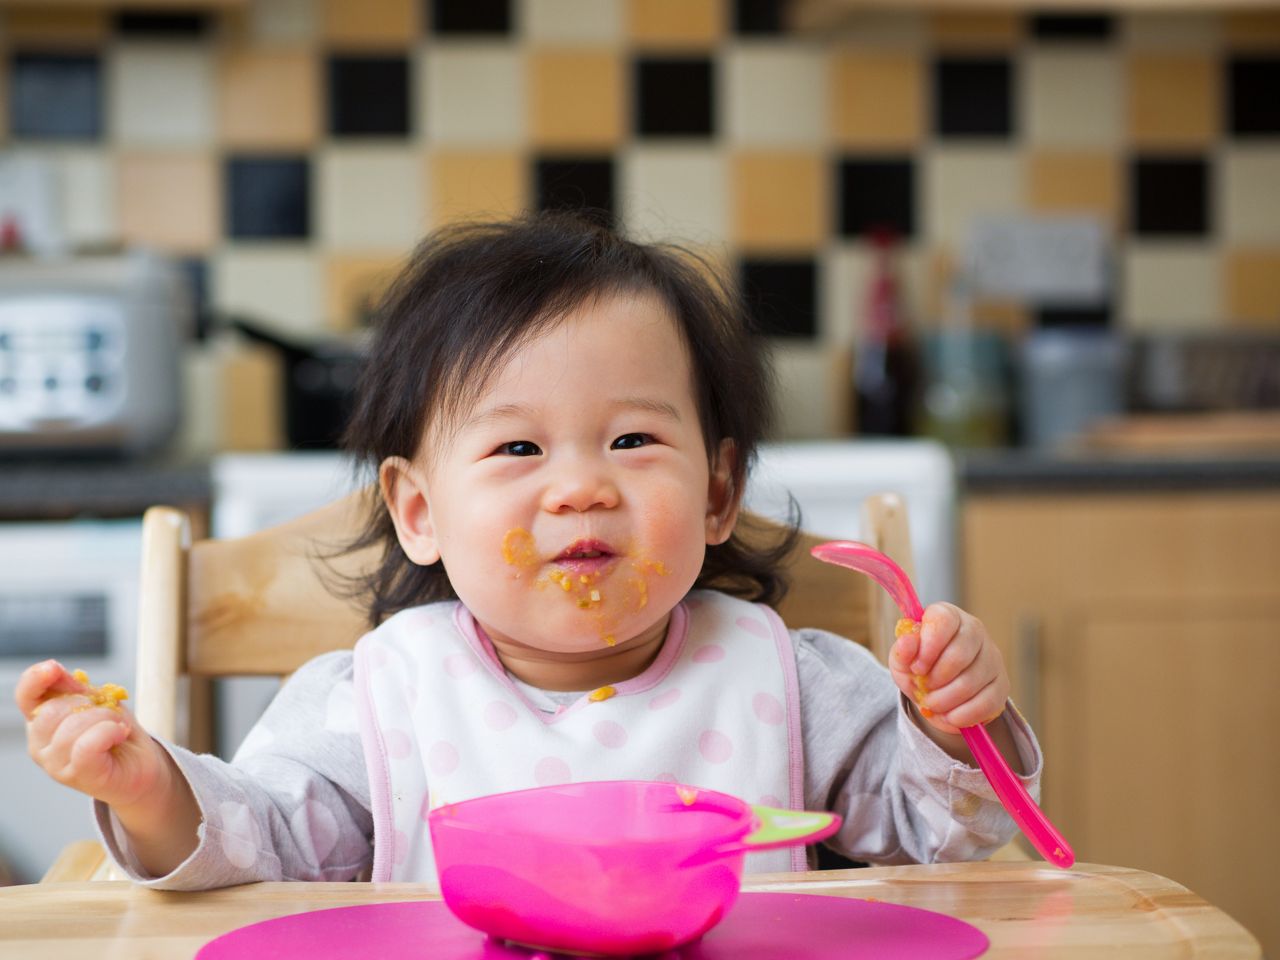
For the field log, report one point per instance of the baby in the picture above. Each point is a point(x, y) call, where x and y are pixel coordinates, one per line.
point(562, 423)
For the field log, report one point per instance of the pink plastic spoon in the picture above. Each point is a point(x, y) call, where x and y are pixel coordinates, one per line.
point(1044, 836)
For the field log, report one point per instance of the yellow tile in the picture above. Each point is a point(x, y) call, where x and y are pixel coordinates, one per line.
point(981, 30)
point(1071, 182)
point(370, 22)
point(877, 99)
point(268, 97)
point(353, 287)
point(780, 201)
point(32, 26)
point(1253, 288)
point(576, 98)
point(471, 185)
point(676, 23)
point(1173, 100)
point(168, 200)
point(1252, 29)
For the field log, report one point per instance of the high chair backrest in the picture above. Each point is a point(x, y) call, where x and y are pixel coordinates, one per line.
point(262, 605)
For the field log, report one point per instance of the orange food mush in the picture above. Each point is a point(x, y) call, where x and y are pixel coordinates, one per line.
point(107, 695)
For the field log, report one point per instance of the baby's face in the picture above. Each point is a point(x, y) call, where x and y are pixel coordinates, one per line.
point(573, 505)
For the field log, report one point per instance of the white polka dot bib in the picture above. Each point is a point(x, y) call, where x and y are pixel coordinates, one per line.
point(442, 721)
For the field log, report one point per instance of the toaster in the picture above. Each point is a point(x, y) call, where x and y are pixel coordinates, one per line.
point(90, 353)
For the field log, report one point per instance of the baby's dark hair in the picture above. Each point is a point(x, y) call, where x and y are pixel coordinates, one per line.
point(472, 295)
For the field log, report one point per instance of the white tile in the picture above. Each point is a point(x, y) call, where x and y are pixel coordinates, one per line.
point(962, 183)
point(678, 193)
point(1250, 185)
point(279, 286)
point(846, 283)
point(161, 94)
point(283, 21)
point(473, 94)
point(573, 21)
point(774, 95)
point(370, 198)
point(808, 395)
point(1172, 30)
point(1171, 286)
point(88, 197)
point(1072, 98)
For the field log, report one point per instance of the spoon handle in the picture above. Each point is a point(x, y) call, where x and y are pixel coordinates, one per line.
point(1037, 828)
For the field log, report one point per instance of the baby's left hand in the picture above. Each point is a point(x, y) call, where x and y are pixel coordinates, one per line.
point(964, 679)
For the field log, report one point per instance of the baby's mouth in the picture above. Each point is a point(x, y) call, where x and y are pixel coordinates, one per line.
point(585, 557)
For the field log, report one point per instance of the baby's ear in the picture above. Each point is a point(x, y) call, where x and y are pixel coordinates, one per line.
point(404, 491)
point(724, 499)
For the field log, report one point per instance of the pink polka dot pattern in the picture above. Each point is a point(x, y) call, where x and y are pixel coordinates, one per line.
point(714, 746)
point(665, 699)
point(709, 653)
point(459, 665)
point(753, 626)
point(313, 823)
point(768, 709)
point(442, 758)
point(424, 808)
point(551, 770)
point(399, 744)
point(610, 734)
point(499, 715)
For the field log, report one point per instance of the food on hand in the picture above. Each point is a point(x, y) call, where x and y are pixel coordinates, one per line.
point(108, 695)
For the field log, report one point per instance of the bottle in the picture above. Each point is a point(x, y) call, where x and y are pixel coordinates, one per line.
point(884, 370)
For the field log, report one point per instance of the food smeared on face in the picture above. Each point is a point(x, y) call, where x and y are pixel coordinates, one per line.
point(519, 550)
point(108, 695)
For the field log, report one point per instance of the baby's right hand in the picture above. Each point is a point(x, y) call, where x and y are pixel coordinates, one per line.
point(97, 750)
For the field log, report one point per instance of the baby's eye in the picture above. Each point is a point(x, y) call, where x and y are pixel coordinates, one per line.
point(519, 448)
point(630, 441)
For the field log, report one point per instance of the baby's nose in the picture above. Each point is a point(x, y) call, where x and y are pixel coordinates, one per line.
point(580, 486)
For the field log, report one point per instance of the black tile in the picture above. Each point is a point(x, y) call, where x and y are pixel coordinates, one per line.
point(877, 193)
point(470, 16)
point(584, 184)
point(268, 197)
point(973, 96)
point(1084, 27)
point(150, 23)
point(675, 97)
point(1074, 317)
point(782, 295)
point(1170, 196)
point(1253, 96)
point(757, 16)
point(368, 96)
point(55, 96)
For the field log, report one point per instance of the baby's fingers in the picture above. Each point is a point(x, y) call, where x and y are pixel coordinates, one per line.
point(941, 622)
point(41, 681)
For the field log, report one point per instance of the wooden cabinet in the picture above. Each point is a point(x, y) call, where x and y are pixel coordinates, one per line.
point(1143, 636)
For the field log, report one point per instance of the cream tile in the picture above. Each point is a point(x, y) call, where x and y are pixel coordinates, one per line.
point(370, 198)
point(808, 392)
point(277, 285)
point(473, 94)
point(89, 197)
point(161, 94)
point(962, 183)
point(845, 281)
point(573, 21)
point(1072, 98)
point(775, 96)
point(1171, 30)
point(1171, 287)
point(284, 21)
point(678, 193)
point(1250, 184)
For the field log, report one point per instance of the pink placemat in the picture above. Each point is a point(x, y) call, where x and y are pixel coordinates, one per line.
point(761, 926)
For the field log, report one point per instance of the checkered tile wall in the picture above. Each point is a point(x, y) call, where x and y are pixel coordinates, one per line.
point(293, 150)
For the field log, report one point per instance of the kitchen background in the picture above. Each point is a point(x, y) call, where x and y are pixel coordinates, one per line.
point(1082, 213)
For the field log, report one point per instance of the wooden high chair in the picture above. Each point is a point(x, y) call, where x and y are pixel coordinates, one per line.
point(258, 605)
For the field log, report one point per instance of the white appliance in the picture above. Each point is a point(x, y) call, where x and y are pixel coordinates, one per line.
point(829, 481)
point(68, 590)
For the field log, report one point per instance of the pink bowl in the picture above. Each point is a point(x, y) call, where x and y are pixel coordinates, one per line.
point(611, 867)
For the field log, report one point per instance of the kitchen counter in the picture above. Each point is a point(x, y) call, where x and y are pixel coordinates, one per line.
point(61, 489)
point(1022, 471)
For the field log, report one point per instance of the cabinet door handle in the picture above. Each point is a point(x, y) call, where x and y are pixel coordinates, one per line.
point(1030, 656)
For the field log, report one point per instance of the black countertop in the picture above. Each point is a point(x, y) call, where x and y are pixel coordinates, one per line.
point(1022, 471)
point(61, 489)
